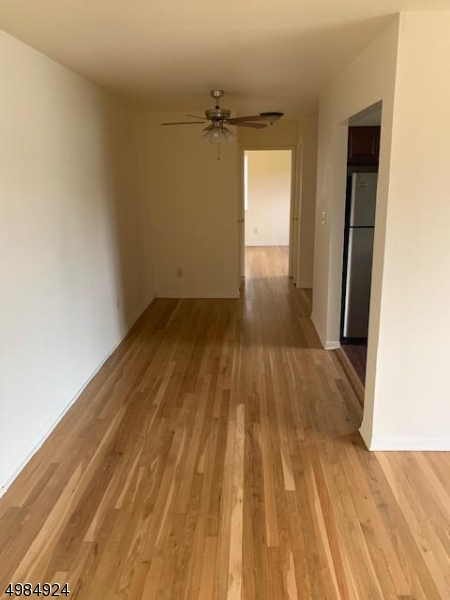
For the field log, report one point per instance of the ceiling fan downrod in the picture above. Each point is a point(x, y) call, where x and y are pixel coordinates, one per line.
point(217, 95)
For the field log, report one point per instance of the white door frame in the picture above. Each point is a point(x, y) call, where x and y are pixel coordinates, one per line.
point(295, 208)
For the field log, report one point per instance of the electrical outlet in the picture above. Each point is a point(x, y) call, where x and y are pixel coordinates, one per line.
point(255, 230)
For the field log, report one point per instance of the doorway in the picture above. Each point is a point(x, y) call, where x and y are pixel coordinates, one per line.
point(359, 230)
point(267, 213)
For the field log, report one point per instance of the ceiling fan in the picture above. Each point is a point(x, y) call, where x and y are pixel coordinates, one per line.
point(216, 120)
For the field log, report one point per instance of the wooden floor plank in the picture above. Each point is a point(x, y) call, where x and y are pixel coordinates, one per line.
point(216, 456)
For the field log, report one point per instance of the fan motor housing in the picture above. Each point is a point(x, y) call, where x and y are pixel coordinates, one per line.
point(218, 114)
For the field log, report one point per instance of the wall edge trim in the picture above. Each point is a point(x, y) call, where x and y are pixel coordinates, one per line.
point(198, 294)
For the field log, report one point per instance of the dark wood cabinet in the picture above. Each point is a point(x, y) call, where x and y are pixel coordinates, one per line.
point(363, 145)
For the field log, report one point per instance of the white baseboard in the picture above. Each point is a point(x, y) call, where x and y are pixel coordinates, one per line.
point(409, 444)
point(379, 444)
point(332, 345)
point(327, 344)
point(198, 294)
point(262, 244)
point(45, 431)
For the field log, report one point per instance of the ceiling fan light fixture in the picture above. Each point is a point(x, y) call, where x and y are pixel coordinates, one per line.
point(217, 133)
point(213, 137)
point(271, 116)
point(217, 119)
point(228, 135)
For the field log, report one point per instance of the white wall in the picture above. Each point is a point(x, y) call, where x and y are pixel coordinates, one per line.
point(285, 132)
point(268, 197)
point(307, 211)
point(407, 389)
point(72, 241)
point(369, 79)
point(194, 210)
point(410, 403)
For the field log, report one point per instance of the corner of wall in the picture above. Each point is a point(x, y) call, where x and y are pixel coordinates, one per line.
point(93, 280)
point(366, 434)
point(327, 344)
point(39, 440)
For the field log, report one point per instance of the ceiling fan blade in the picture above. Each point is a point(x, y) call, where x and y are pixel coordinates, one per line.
point(186, 123)
point(252, 125)
point(196, 117)
point(252, 118)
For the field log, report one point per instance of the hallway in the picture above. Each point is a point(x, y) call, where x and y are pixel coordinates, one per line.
point(216, 456)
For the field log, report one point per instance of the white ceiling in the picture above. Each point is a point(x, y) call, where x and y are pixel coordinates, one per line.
point(168, 54)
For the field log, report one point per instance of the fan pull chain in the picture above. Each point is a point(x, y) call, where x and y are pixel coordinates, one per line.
point(218, 151)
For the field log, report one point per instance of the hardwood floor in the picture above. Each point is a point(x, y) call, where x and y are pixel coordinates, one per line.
point(216, 457)
point(357, 355)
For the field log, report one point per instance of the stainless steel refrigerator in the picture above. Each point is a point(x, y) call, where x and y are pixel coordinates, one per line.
point(360, 223)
